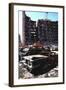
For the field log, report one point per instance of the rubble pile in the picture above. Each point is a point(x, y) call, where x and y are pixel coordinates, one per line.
point(25, 74)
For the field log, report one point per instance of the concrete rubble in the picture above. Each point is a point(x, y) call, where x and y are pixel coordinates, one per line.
point(25, 74)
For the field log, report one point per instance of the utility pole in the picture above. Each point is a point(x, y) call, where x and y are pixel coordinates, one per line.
point(46, 18)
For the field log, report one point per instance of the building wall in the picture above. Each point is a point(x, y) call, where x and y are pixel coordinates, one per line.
point(48, 31)
point(45, 31)
point(30, 30)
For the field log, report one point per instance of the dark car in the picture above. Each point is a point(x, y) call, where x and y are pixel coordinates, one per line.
point(40, 61)
point(43, 65)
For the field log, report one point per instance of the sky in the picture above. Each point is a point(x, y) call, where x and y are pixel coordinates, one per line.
point(53, 16)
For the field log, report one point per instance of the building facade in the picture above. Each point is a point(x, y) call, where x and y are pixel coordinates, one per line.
point(48, 31)
point(30, 31)
point(45, 31)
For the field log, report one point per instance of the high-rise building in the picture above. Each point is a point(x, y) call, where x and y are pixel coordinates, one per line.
point(48, 31)
point(30, 31)
point(45, 31)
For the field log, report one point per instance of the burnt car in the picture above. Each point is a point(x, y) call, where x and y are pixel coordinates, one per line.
point(43, 65)
point(40, 61)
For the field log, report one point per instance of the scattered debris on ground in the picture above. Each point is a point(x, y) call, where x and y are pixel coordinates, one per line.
point(25, 74)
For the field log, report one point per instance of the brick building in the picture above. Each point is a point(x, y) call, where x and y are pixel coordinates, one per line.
point(30, 31)
point(47, 31)
point(44, 31)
